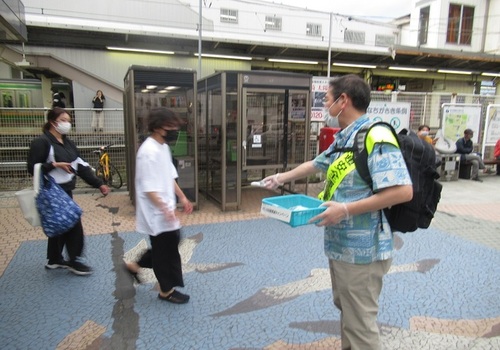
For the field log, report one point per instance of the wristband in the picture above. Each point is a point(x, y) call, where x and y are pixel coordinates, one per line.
point(346, 212)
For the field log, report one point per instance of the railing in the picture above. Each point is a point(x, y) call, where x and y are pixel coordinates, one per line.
point(19, 126)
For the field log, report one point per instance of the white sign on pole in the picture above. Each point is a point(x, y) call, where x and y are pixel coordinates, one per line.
point(458, 117)
point(395, 113)
point(318, 90)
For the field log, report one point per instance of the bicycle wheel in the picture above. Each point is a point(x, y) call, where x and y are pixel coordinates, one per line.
point(115, 178)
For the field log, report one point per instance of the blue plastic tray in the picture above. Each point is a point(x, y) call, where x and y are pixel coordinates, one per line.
point(294, 209)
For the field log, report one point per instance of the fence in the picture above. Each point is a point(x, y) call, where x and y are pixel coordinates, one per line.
point(18, 126)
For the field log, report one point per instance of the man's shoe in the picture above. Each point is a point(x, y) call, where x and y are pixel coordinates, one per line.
point(52, 265)
point(477, 179)
point(79, 269)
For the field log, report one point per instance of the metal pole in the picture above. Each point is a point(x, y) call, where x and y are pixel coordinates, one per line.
point(330, 45)
point(199, 42)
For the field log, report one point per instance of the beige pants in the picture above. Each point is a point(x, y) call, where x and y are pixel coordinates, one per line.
point(97, 121)
point(356, 289)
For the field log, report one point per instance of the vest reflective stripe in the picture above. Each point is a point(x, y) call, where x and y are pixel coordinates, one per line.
point(379, 134)
point(342, 166)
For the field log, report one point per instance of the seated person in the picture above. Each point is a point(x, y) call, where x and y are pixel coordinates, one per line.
point(465, 147)
point(423, 134)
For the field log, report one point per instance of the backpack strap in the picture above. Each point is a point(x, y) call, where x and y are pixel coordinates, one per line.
point(366, 139)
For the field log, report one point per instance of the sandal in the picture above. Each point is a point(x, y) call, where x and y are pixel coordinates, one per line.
point(175, 297)
point(135, 275)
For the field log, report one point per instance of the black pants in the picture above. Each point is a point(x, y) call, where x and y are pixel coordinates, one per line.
point(72, 240)
point(165, 260)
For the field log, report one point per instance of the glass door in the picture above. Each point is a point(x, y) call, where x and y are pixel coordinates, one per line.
point(275, 131)
point(264, 139)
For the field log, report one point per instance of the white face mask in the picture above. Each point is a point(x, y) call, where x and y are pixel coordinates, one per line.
point(424, 133)
point(332, 121)
point(63, 128)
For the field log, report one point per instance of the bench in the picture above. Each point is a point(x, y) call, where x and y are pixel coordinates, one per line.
point(465, 167)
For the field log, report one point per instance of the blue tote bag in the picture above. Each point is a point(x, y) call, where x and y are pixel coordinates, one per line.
point(58, 211)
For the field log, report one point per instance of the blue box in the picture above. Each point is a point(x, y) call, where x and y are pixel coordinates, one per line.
point(294, 209)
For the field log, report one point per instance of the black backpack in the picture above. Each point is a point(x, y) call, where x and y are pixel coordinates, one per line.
point(420, 160)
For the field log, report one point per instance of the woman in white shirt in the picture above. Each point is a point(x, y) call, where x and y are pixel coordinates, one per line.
point(156, 191)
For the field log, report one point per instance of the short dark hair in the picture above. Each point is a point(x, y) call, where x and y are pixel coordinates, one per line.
point(468, 132)
point(424, 126)
point(160, 117)
point(354, 87)
point(52, 115)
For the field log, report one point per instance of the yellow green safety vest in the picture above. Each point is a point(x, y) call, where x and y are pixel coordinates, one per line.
point(345, 163)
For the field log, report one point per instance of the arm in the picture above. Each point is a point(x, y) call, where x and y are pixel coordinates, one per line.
point(462, 147)
point(186, 204)
point(303, 170)
point(387, 197)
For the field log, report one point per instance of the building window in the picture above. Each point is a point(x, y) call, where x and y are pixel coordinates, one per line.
point(384, 40)
point(354, 37)
point(460, 21)
point(273, 23)
point(228, 16)
point(423, 25)
point(313, 29)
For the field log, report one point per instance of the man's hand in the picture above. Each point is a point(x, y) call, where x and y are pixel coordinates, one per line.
point(335, 212)
point(187, 205)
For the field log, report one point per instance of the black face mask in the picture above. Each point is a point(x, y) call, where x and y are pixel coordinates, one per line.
point(171, 136)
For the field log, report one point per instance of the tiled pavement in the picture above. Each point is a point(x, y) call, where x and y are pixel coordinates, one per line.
point(255, 283)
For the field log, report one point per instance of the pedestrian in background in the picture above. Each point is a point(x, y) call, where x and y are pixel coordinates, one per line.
point(97, 112)
point(465, 148)
point(358, 239)
point(156, 190)
point(61, 159)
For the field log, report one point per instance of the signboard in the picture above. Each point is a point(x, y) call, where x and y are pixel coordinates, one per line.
point(491, 126)
point(395, 113)
point(318, 91)
point(458, 117)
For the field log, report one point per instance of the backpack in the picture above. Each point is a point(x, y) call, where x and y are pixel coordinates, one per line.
point(420, 160)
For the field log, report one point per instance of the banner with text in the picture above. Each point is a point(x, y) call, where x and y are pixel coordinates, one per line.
point(395, 113)
point(318, 90)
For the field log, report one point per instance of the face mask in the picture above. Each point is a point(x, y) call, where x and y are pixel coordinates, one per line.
point(63, 127)
point(171, 136)
point(424, 133)
point(332, 121)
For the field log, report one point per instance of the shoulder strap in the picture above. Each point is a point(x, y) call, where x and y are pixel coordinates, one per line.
point(366, 139)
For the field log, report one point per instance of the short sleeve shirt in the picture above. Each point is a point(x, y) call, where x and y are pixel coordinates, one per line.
point(364, 238)
point(155, 172)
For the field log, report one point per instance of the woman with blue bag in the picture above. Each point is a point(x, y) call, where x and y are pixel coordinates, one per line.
point(61, 160)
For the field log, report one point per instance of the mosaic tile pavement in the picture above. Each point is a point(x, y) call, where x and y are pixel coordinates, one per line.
point(255, 283)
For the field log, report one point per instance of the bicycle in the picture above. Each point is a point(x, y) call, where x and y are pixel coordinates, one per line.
point(106, 170)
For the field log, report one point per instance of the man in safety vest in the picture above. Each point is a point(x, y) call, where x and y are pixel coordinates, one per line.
point(358, 239)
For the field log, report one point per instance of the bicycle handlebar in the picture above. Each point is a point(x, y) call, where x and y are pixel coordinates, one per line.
point(103, 148)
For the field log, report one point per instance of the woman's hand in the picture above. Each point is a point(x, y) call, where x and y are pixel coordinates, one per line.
point(64, 166)
point(104, 190)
